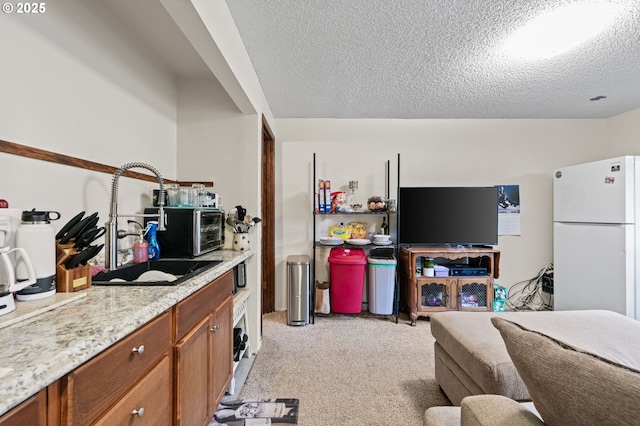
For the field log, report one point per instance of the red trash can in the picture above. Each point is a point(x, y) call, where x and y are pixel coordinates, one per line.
point(346, 283)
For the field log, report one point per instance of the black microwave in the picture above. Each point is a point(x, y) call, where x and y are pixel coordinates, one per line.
point(190, 231)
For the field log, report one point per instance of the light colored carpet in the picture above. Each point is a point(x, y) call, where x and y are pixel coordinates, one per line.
point(347, 370)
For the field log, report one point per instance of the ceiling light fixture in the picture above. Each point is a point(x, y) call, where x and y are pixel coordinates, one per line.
point(561, 29)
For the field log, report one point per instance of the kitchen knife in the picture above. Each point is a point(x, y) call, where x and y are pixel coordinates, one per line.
point(87, 237)
point(94, 252)
point(91, 224)
point(82, 257)
point(75, 260)
point(78, 228)
point(74, 220)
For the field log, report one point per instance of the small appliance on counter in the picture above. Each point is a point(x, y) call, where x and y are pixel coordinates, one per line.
point(190, 231)
point(8, 282)
point(37, 237)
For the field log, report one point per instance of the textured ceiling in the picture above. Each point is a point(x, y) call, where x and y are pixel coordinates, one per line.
point(431, 59)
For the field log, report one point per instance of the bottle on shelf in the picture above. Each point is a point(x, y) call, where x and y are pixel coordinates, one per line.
point(384, 228)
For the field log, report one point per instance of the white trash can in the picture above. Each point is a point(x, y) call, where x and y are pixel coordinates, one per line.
point(382, 279)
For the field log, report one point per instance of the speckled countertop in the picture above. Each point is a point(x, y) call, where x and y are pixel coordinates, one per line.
point(39, 350)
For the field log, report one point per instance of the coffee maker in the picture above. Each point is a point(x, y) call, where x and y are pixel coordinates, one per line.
point(10, 258)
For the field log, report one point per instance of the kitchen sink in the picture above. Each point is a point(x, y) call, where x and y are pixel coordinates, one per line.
point(164, 272)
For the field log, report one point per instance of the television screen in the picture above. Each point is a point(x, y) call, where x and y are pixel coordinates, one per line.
point(442, 216)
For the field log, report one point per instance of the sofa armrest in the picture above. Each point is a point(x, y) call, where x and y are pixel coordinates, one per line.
point(495, 410)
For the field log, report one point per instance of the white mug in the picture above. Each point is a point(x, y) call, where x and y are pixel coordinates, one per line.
point(216, 200)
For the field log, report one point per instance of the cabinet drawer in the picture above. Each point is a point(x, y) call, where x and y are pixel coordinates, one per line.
point(191, 310)
point(151, 398)
point(93, 387)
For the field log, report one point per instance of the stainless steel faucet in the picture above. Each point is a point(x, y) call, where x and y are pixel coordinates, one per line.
point(112, 235)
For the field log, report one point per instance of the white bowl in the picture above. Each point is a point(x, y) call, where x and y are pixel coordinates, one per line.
point(381, 237)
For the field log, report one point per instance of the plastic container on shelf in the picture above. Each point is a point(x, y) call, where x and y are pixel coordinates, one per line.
point(382, 278)
point(346, 271)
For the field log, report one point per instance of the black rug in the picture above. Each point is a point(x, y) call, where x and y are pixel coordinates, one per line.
point(257, 412)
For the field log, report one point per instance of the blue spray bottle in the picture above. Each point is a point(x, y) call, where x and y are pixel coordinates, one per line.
point(152, 238)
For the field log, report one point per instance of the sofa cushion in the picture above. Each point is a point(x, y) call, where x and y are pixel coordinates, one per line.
point(473, 350)
point(494, 410)
point(441, 416)
point(570, 385)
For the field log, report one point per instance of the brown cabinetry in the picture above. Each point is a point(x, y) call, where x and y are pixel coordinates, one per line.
point(203, 355)
point(424, 295)
point(91, 389)
point(32, 412)
point(148, 403)
point(173, 370)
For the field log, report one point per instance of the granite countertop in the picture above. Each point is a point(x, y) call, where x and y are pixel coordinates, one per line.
point(41, 349)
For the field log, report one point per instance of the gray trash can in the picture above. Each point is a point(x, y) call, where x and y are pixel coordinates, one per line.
point(298, 282)
point(382, 278)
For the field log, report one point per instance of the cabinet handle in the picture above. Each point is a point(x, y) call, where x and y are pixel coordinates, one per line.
point(139, 412)
point(214, 328)
point(139, 350)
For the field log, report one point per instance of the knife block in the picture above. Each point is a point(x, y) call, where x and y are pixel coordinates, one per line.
point(70, 280)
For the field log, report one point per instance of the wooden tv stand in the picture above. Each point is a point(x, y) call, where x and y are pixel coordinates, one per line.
point(424, 295)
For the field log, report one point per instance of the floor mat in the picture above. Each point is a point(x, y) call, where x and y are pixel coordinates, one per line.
point(247, 412)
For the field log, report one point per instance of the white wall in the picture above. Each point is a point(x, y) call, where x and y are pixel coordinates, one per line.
point(75, 82)
point(219, 143)
point(624, 134)
point(433, 152)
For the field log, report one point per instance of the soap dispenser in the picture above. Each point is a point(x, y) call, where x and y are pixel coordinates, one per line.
point(154, 247)
point(140, 249)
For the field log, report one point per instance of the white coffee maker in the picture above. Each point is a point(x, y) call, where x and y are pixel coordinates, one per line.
point(9, 259)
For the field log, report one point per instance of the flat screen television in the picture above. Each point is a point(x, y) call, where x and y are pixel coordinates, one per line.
point(443, 216)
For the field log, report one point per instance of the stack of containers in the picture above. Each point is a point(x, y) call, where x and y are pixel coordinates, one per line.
point(346, 271)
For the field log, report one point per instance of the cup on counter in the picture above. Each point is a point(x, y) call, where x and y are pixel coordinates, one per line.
point(184, 196)
point(197, 195)
point(172, 195)
point(217, 200)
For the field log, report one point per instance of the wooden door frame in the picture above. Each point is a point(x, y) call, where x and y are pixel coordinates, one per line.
point(268, 218)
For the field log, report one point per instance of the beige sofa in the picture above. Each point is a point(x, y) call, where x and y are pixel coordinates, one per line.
point(578, 367)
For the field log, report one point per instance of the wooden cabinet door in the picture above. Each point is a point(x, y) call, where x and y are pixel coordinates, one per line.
point(475, 293)
point(191, 355)
point(32, 412)
point(434, 294)
point(221, 351)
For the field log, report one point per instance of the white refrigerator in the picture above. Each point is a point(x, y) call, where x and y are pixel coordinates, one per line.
point(596, 207)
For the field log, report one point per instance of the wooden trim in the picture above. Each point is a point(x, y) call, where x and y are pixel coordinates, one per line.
point(67, 160)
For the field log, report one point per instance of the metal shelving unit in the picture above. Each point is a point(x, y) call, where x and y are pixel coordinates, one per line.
point(395, 245)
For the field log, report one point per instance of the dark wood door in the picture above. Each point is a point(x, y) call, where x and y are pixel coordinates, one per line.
point(268, 219)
